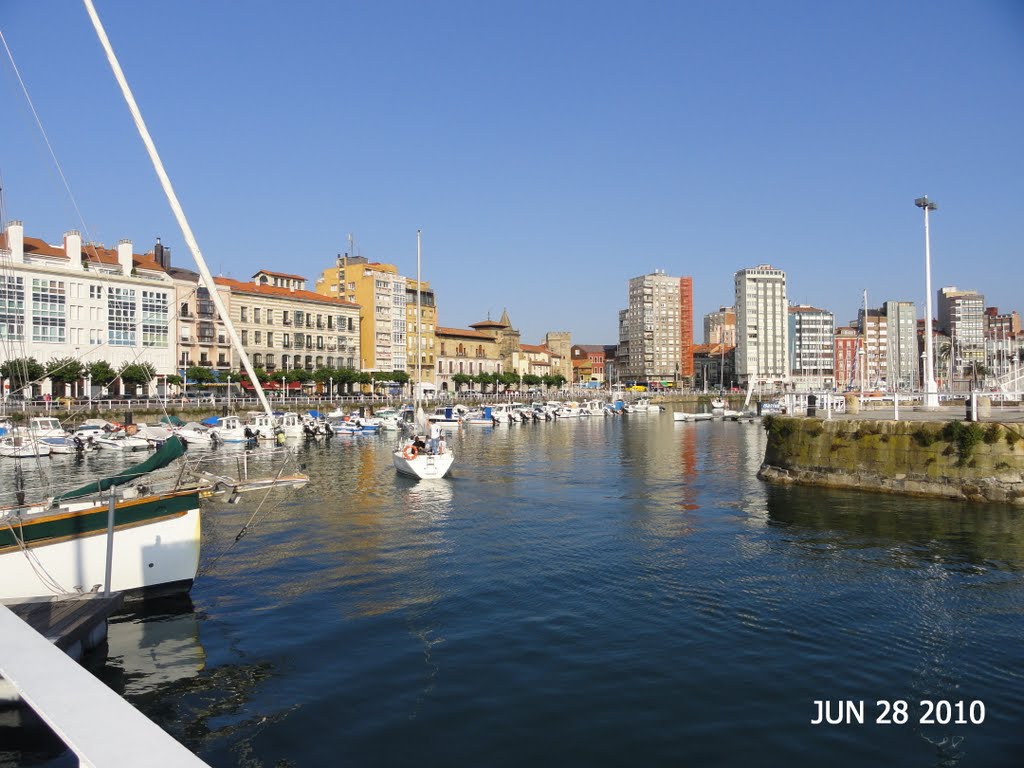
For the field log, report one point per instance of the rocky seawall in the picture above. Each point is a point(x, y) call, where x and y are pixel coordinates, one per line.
point(957, 460)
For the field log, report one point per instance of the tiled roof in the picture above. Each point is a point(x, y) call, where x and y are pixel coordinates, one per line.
point(439, 331)
point(90, 253)
point(237, 286)
point(280, 274)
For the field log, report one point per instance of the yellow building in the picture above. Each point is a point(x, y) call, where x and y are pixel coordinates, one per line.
point(382, 295)
point(421, 334)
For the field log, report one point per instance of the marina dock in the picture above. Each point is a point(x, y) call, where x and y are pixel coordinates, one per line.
point(39, 644)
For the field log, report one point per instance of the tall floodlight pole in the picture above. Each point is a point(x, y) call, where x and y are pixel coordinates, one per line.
point(931, 391)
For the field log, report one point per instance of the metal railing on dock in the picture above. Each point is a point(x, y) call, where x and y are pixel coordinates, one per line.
point(100, 727)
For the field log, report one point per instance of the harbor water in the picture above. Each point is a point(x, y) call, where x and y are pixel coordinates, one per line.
point(602, 591)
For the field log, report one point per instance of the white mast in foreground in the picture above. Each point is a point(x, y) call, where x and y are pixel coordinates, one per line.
point(179, 214)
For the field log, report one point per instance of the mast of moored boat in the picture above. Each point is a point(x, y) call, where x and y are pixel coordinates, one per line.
point(179, 214)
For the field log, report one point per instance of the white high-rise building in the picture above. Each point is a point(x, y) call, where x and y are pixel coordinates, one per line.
point(762, 326)
point(811, 346)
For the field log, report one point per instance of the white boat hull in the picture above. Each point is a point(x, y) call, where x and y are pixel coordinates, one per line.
point(423, 466)
point(154, 556)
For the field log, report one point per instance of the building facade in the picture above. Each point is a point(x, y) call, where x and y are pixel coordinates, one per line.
point(848, 344)
point(421, 333)
point(587, 363)
point(656, 329)
point(84, 301)
point(720, 327)
point(762, 326)
point(961, 316)
point(381, 294)
point(811, 347)
point(465, 351)
point(873, 365)
point(284, 327)
point(903, 353)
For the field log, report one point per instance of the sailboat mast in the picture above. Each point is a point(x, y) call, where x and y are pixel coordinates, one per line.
point(172, 198)
point(419, 334)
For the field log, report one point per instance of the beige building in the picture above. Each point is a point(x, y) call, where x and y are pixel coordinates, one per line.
point(284, 327)
point(381, 294)
point(467, 351)
point(201, 337)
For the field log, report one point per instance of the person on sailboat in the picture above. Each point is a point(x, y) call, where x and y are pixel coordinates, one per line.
point(435, 436)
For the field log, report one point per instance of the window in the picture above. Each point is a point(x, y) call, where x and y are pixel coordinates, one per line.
point(258, 340)
point(49, 308)
point(12, 308)
point(270, 317)
point(256, 315)
point(270, 338)
point(155, 313)
point(245, 338)
point(121, 317)
point(95, 291)
point(244, 314)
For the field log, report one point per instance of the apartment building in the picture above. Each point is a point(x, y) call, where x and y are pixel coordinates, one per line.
point(656, 329)
point(201, 337)
point(848, 343)
point(873, 326)
point(762, 326)
point(720, 327)
point(587, 363)
point(961, 316)
point(421, 332)
point(283, 326)
point(811, 338)
point(381, 294)
point(903, 349)
point(84, 301)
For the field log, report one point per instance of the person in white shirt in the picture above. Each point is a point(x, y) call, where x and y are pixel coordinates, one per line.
point(435, 437)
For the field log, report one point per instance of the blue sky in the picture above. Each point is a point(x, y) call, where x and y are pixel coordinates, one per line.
point(549, 151)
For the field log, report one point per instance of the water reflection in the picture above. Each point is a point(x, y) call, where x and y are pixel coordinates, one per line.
point(914, 533)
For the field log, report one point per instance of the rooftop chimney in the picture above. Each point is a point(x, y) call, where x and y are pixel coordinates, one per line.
point(73, 248)
point(162, 255)
point(124, 256)
point(16, 241)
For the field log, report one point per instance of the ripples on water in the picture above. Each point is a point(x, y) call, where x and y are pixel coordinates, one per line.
point(600, 592)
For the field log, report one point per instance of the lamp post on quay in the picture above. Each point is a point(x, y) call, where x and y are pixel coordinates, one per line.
point(931, 391)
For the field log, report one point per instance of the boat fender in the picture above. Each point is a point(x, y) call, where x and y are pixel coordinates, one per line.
point(409, 451)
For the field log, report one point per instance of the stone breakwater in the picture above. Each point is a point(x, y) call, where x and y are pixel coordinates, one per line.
point(956, 460)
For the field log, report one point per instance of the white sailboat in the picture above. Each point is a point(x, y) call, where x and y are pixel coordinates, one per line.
point(418, 457)
point(142, 541)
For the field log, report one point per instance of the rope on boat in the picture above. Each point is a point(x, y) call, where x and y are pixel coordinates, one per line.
point(33, 561)
point(249, 525)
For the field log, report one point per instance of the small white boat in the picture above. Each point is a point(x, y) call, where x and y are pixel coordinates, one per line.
point(449, 416)
point(421, 463)
point(155, 434)
point(21, 447)
point(121, 441)
point(66, 444)
point(389, 419)
point(718, 404)
point(194, 433)
point(682, 416)
point(230, 429)
point(45, 426)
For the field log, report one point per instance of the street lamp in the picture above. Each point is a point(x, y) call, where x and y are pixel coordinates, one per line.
point(931, 393)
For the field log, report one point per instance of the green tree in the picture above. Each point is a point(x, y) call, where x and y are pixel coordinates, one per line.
point(198, 374)
point(64, 371)
point(21, 372)
point(460, 380)
point(532, 380)
point(137, 375)
point(299, 374)
point(485, 380)
point(174, 379)
point(101, 373)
